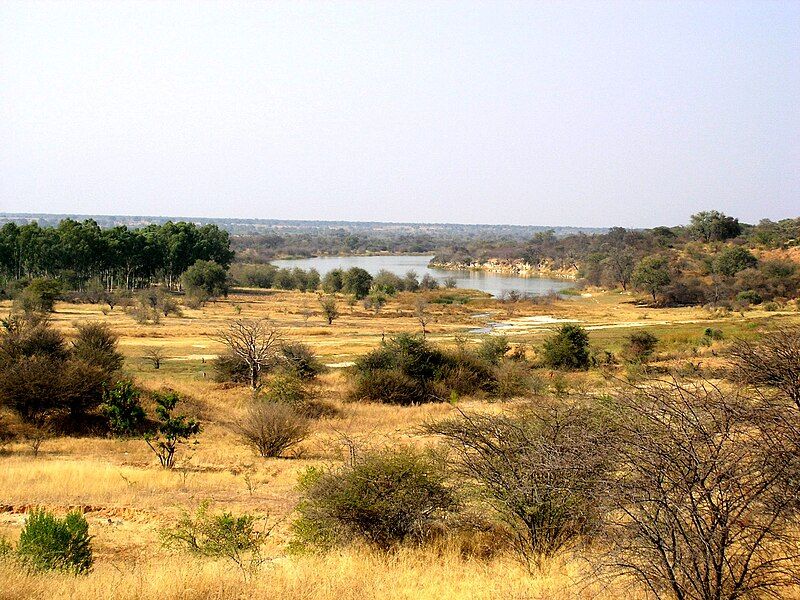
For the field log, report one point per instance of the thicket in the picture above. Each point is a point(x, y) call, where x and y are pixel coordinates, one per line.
point(51, 384)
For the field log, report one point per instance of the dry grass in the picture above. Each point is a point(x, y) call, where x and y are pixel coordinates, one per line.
point(128, 498)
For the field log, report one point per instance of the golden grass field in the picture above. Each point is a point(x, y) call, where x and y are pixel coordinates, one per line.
point(127, 497)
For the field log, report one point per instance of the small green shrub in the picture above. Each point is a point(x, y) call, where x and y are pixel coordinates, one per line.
point(172, 429)
point(384, 498)
point(48, 543)
point(222, 535)
point(230, 368)
point(493, 348)
point(123, 409)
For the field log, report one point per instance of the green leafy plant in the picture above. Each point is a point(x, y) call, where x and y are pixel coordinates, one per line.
point(172, 429)
point(48, 542)
point(122, 408)
point(568, 348)
point(221, 535)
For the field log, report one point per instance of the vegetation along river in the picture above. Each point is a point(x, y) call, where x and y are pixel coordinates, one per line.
point(493, 283)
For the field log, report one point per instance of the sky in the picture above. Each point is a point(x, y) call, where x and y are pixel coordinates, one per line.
point(538, 113)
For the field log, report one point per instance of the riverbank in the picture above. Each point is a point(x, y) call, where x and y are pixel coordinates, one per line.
point(517, 268)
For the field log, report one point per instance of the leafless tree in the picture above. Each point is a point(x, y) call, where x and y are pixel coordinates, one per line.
point(772, 362)
point(541, 470)
point(155, 356)
point(706, 499)
point(256, 342)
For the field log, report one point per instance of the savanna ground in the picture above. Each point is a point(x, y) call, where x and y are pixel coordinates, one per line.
point(127, 497)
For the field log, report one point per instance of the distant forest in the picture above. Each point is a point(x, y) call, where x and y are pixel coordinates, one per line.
point(714, 259)
point(76, 252)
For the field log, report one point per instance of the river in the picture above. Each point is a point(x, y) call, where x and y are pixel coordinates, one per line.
point(493, 283)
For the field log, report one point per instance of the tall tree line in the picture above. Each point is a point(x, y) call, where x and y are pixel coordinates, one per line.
point(79, 251)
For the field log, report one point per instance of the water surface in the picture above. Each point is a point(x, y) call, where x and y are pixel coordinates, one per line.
point(493, 283)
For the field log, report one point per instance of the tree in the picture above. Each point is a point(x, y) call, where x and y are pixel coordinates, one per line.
point(172, 430)
point(772, 362)
point(422, 314)
point(256, 342)
point(729, 261)
point(714, 226)
point(329, 308)
point(356, 281)
point(705, 492)
point(332, 282)
point(652, 275)
point(568, 348)
point(205, 279)
point(155, 356)
point(620, 265)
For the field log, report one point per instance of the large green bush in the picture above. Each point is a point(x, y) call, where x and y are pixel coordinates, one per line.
point(568, 348)
point(384, 498)
point(123, 409)
point(48, 542)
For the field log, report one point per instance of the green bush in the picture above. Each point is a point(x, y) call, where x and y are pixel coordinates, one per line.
point(172, 429)
point(48, 543)
point(123, 409)
point(230, 368)
point(493, 348)
point(568, 348)
point(39, 295)
point(383, 498)
point(222, 535)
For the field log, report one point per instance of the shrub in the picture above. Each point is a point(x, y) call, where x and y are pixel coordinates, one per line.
point(222, 535)
point(229, 367)
point(512, 379)
point(384, 498)
point(541, 471)
point(639, 346)
point(41, 380)
point(493, 348)
point(47, 542)
point(96, 344)
point(709, 476)
point(272, 428)
point(172, 429)
point(301, 360)
point(123, 409)
point(568, 348)
point(39, 295)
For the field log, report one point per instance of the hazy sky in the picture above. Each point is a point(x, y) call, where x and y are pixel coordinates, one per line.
point(615, 113)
